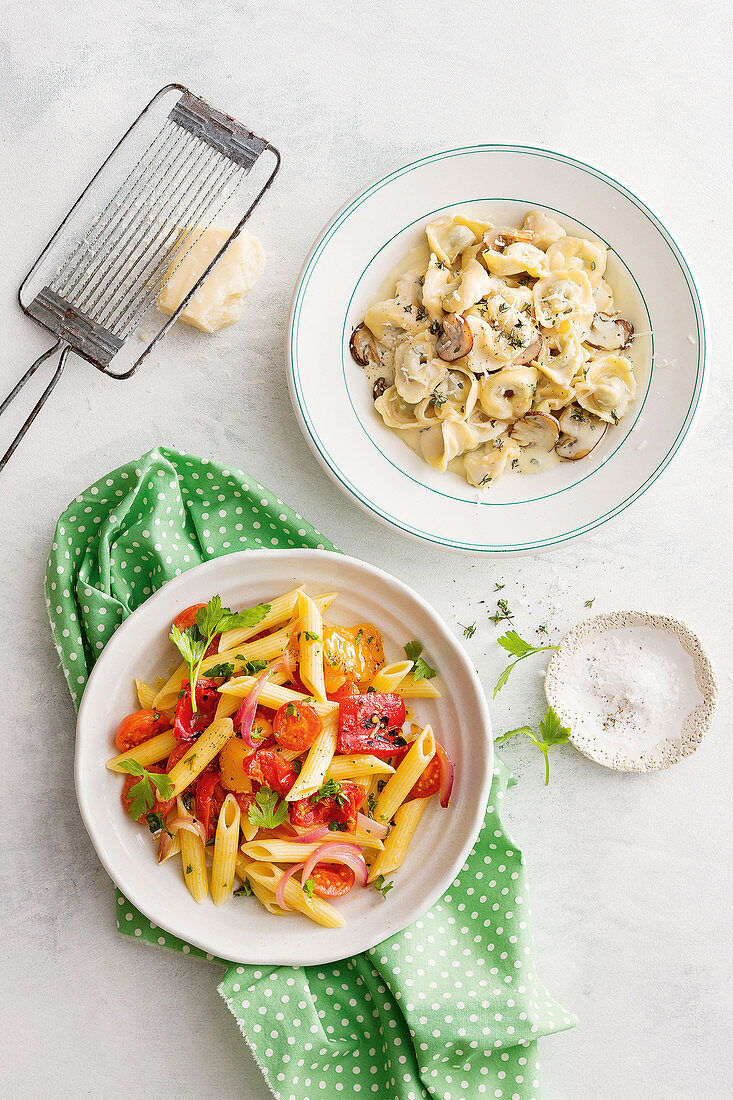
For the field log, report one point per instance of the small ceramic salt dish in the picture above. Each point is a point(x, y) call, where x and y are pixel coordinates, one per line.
point(638, 691)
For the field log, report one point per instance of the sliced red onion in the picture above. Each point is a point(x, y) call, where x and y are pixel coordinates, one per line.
point(190, 825)
point(166, 845)
point(245, 716)
point(347, 854)
point(373, 828)
point(446, 774)
point(311, 836)
point(280, 892)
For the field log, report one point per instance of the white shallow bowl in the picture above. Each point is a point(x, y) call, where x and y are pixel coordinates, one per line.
point(663, 641)
point(341, 277)
point(242, 930)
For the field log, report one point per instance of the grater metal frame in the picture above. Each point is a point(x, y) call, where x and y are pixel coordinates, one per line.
point(73, 328)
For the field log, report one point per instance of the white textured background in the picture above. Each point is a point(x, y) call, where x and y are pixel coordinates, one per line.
point(631, 876)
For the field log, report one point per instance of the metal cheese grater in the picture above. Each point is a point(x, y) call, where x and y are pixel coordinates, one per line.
point(180, 166)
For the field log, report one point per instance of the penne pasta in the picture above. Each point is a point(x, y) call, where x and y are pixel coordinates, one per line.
point(314, 907)
point(395, 846)
point(201, 753)
point(400, 784)
point(317, 762)
point(358, 767)
point(274, 696)
point(145, 694)
point(391, 676)
point(279, 851)
point(264, 649)
point(410, 688)
point(151, 751)
point(262, 893)
point(193, 859)
point(230, 704)
point(226, 842)
point(281, 611)
point(311, 647)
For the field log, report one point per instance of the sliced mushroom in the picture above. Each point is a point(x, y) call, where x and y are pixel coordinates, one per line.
point(498, 238)
point(363, 347)
point(530, 353)
point(378, 388)
point(536, 429)
point(456, 338)
point(609, 332)
point(581, 432)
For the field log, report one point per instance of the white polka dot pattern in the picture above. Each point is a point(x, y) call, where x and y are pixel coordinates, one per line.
point(449, 1008)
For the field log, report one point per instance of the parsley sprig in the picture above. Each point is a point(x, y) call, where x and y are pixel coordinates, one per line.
point(245, 890)
point(468, 631)
point(267, 811)
point(212, 619)
point(551, 732)
point(421, 669)
point(142, 794)
point(330, 789)
point(519, 649)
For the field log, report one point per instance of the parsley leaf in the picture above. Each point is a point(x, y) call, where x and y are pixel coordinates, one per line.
point(308, 887)
point(156, 824)
point(330, 789)
point(551, 732)
point(291, 711)
point(498, 587)
point(589, 603)
point(468, 631)
point(311, 637)
point(338, 826)
point(383, 887)
point(519, 649)
point(267, 810)
point(226, 668)
point(245, 890)
point(141, 795)
point(421, 670)
point(248, 616)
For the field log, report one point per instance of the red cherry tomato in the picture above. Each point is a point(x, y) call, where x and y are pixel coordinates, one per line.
point(332, 880)
point(428, 783)
point(277, 773)
point(210, 797)
point(252, 764)
point(139, 726)
point(346, 689)
point(296, 726)
point(371, 723)
point(158, 807)
point(188, 725)
point(310, 813)
point(244, 801)
point(186, 618)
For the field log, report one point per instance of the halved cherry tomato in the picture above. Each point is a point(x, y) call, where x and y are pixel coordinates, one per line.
point(309, 812)
point(428, 783)
point(188, 725)
point(277, 772)
point(296, 726)
point(347, 688)
point(210, 797)
point(271, 769)
point(244, 801)
point(139, 726)
point(251, 764)
point(371, 723)
point(186, 618)
point(332, 880)
point(158, 807)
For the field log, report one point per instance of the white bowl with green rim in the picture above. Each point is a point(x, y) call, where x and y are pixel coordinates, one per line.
point(518, 514)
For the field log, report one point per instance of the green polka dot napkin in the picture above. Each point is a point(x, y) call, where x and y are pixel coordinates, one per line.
point(449, 1008)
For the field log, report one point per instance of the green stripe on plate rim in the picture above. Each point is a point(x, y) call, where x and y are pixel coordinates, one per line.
point(496, 503)
point(555, 540)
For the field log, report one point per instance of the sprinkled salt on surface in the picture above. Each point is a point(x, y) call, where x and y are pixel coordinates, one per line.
point(631, 688)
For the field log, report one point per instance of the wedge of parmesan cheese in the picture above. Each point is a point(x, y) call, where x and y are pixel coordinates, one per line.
point(219, 301)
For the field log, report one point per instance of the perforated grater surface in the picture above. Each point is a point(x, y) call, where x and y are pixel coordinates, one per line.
point(180, 166)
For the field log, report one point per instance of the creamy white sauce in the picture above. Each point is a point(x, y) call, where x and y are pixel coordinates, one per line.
point(631, 689)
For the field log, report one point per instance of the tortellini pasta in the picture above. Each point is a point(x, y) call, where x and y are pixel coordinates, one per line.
point(487, 341)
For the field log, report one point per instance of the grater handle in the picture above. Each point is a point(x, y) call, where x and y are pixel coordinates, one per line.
point(42, 399)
